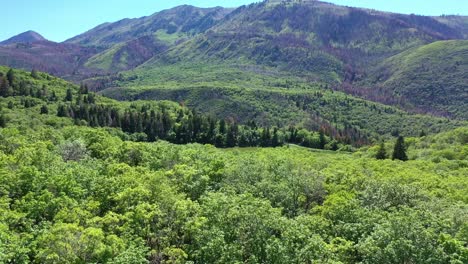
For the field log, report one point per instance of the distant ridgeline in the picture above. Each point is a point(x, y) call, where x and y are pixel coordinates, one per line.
point(151, 121)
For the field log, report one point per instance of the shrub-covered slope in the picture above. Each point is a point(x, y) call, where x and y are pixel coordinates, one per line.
point(433, 77)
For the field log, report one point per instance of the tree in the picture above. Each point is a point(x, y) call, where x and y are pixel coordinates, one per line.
point(11, 76)
point(62, 111)
point(2, 120)
point(381, 153)
point(4, 87)
point(83, 89)
point(399, 152)
point(69, 96)
point(34, 74)
point(322, 140)
point(73, 150)
point(231, 137)
point(44, 109)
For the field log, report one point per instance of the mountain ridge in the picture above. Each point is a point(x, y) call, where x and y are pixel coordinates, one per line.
point(25, 37)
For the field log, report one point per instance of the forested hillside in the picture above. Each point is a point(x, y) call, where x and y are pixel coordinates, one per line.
point(432, 76)
point(82, 188)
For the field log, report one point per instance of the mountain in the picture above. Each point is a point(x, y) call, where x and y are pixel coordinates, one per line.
point(251, 62)
point(168, 25)
point(25, 37)
point(303, 46)
point(311, 38)
point(60, 59)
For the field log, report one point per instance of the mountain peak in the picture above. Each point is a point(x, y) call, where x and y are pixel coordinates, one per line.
point(25, 37)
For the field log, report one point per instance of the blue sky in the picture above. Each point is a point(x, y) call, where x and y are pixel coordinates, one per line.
point(59, 20)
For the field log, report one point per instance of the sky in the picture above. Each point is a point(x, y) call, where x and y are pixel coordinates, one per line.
point(58, 20)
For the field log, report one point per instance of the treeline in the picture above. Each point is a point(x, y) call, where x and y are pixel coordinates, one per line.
point(149, 123)
point(184, 125)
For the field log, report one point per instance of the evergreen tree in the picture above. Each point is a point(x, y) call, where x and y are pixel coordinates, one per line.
point(231, 137)
point(275, 141)
point(53, 97)
point(11, 77)
point(2, 120)
point(83, 89)
point(34, 74)
point(322, 140)
point(44, 109)
point(90, 98)
point(399, 151)
point(4, 87)
point(265, 138)
point(69, 96)
point(61, 111)
point(222, 127)
point(381, 153)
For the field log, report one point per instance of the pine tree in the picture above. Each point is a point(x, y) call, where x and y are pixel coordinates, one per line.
point(44, 110)
point(90, 98)
point(34, 74)
point(322, 140)
point(11, 77)
point(275, 141)
point(231, 137)
point(53, 97)
point(381, 153)
point(69, 96)
point(62, 111)
point(4, 87)
point(399, 151)
point(2, 120)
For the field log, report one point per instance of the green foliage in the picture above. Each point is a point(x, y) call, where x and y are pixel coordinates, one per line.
point(71, 193)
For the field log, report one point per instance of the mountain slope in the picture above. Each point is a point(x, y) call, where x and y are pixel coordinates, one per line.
point(243, 93)
point(127, 55)
point(321, 41)
point(185, 19)
point(64, 60)
point(459, 23)
point(266, 50)
point(25, 37)
point(432, 77)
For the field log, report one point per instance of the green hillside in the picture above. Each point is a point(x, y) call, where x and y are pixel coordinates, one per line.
point(287, 51)
point(431, 77)
point(269, 97)
point(74, 193)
